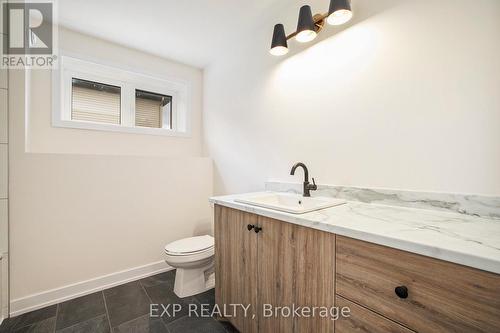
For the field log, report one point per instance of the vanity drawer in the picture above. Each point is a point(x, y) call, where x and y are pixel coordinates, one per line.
point(363, 320)
point(441, 296)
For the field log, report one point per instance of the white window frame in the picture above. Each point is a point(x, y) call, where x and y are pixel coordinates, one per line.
point(128, 81)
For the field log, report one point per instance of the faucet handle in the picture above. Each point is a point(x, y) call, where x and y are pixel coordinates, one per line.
point(315, 187)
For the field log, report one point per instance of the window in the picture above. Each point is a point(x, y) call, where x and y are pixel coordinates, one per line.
point(89, 95)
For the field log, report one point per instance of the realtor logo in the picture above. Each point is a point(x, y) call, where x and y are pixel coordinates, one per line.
point(30, 30)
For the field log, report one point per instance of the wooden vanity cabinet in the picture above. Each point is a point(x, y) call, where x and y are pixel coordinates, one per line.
point(282, 264)
point(387, 290)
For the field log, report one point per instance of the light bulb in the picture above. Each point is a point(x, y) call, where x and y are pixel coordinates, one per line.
point(305, 36)
point(278, 51)
point(339, 17)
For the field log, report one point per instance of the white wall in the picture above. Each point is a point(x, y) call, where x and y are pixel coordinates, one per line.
point(407, 96)
point(85, 203)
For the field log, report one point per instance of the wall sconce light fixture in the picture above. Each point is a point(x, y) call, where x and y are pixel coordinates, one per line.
point(308, 26)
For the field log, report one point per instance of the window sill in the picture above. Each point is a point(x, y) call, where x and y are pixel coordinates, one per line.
point(118, 128)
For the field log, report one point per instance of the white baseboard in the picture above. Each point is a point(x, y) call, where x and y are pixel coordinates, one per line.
point(54, 296)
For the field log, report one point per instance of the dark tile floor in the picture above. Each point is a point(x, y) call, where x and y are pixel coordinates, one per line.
point(124, 308)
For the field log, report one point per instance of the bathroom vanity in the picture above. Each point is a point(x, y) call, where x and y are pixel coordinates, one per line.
point(412, 280)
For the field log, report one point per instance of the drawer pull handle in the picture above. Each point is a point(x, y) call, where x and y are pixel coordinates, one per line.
point(257, 229)
point(250, 227)
point(401, 291)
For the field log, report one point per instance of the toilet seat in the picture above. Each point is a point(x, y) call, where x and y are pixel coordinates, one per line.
point(190, 250)
point(191, 246)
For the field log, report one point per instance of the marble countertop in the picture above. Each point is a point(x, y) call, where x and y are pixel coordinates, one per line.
point(462, 239)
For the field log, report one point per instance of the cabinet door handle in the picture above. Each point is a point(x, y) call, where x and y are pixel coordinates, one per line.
point(257, 229)
point(401, 291)
point(250, 227)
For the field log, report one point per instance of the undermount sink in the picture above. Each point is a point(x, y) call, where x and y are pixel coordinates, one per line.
point(290, 203)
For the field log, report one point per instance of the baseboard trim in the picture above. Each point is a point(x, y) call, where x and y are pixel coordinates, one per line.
point(37, 301)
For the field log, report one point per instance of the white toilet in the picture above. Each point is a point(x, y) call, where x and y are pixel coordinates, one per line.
point(194, 260)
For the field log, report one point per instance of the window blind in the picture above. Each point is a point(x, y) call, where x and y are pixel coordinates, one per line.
point(91, 101)
point(152, 109)
point(148, 112)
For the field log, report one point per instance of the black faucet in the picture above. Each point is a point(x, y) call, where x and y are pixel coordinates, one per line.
point(307, 186)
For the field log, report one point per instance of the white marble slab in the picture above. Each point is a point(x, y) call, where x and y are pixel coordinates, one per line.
point(475, 205)
point(458, 238)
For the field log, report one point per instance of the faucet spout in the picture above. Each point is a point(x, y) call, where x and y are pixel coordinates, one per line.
point(303, 166)
point(307, 187)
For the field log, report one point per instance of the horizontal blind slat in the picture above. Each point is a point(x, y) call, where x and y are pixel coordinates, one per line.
point(147, 113)
point(94, 105)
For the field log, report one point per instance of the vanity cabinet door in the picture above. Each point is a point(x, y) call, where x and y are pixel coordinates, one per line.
point(296, 267)
point(315, 277)
point(276, 278)
point(236, 266)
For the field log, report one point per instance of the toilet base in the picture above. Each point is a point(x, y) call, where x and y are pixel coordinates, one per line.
point(192, 281)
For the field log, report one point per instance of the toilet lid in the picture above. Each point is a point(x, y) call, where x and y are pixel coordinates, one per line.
point(190, 245)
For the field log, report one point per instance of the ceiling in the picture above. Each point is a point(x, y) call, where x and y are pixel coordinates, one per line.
point(189, 31)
